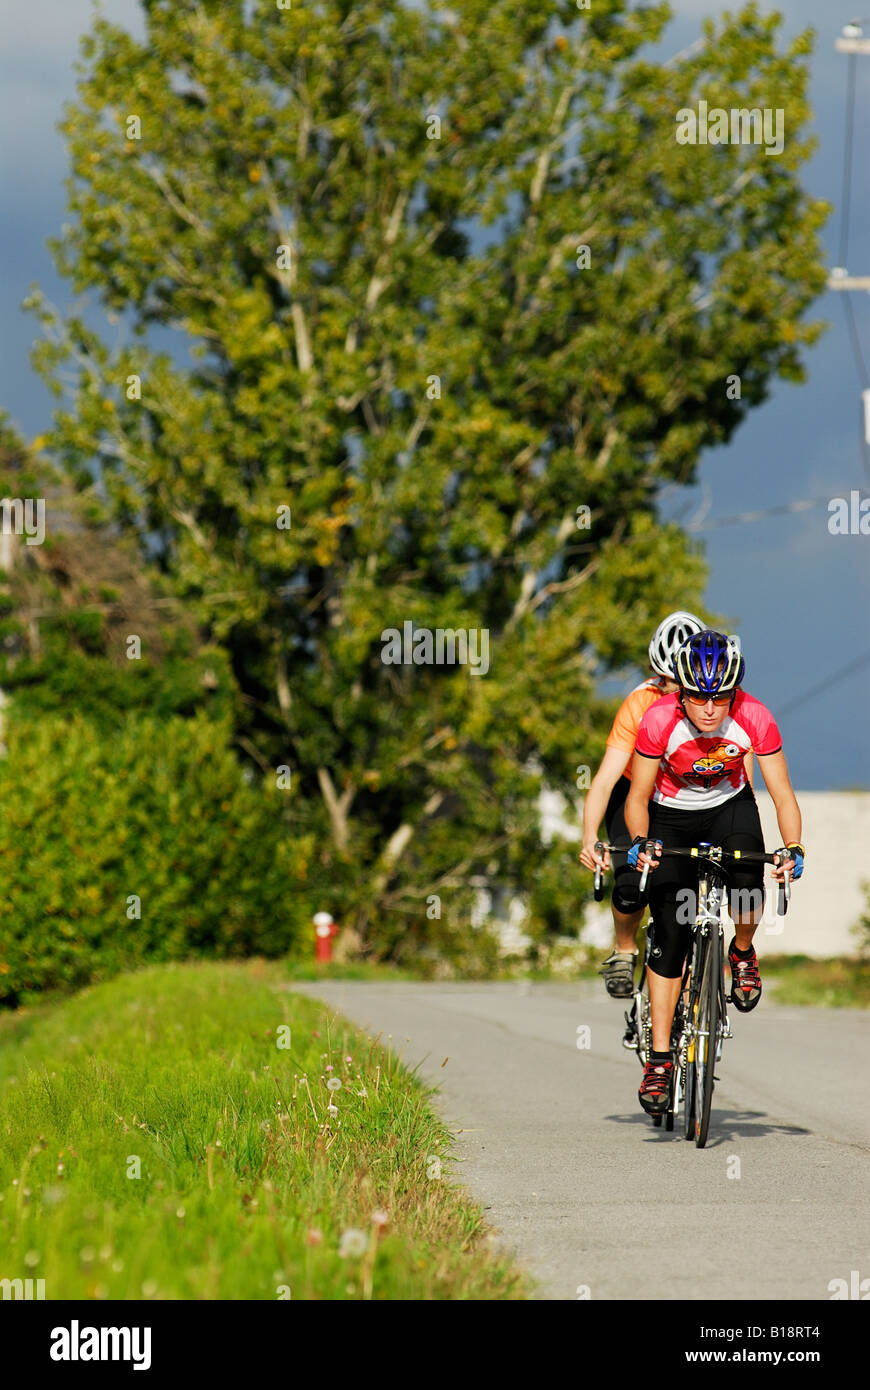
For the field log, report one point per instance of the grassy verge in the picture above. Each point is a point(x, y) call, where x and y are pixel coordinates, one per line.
point(350, 970)
point(158, 1140)
point(835, 982)
point(840, 982)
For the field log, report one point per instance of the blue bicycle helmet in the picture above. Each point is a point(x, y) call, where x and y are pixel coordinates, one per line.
point(709, 664)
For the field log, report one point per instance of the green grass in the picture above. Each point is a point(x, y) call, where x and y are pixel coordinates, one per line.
point(835, 982)
point(838, 982)
point(351, 970)
point(246, 1183)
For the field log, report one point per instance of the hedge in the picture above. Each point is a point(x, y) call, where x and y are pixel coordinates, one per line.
point(160, 813)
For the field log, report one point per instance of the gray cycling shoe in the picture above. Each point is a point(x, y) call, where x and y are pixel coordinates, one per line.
point(618, 972)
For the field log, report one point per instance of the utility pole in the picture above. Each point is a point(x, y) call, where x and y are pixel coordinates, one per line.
point(853, 42)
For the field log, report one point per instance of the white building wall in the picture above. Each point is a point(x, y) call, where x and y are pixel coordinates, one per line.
point(825, 905)
point(828, 900)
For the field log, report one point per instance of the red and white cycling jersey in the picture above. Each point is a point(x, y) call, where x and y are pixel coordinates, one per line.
point(702, 770)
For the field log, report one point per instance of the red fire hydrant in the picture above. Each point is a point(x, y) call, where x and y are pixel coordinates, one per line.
point(324, 930)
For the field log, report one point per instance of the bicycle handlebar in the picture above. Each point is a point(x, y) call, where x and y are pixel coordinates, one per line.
point(713, 854)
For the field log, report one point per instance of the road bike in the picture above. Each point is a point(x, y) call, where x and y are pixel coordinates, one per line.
point(700, 1023)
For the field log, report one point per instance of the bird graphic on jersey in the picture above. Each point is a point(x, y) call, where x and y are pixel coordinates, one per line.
point(714, 762)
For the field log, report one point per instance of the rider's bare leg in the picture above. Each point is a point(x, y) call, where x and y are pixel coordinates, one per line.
point(663, 996)
point(745, 927)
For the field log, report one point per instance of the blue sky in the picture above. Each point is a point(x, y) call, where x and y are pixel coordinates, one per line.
point(799, 596)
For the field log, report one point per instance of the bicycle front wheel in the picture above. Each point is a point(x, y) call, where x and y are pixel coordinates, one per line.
point(690, 1018)
point(707, 1035)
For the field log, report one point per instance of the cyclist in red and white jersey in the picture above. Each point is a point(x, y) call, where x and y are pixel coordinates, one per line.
point(605, 800)
point(689, 785)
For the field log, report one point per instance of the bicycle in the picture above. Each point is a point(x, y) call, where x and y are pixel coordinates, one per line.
point(637, 1036)
point(701, 1013)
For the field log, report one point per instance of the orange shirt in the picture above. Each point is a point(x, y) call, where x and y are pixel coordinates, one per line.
point(623, 732)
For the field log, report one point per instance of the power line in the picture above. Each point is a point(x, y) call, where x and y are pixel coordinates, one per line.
point(801, 505)
point(830, 680)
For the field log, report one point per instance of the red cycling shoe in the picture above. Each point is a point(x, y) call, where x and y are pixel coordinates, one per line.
point(745, 980)
point(655, 1089)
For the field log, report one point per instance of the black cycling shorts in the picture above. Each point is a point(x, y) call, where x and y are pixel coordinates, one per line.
point(734, 824)
point(627, 897)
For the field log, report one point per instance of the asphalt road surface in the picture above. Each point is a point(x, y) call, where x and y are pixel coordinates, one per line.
point(594, 1201)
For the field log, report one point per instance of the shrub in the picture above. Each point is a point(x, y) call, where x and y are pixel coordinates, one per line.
point(160, 811)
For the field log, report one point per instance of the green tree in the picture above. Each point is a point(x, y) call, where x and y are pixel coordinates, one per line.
point(448, 279)
point(73, 597)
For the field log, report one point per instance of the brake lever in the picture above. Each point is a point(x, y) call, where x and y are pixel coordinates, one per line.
point(598, 890)
point(784, 895)
point(649, 848)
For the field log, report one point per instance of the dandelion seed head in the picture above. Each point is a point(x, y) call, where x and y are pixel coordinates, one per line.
point(353, 1243)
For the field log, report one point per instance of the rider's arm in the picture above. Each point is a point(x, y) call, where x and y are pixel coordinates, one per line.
point(643, 776)
point(613, 764)
point(750, 772)
point(774, 769)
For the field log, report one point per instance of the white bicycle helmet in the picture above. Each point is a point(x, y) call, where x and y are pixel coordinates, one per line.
point(668, 637)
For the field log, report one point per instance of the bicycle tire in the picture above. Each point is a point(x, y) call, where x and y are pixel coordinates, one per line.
point(708, 1028)
point(689, 1102)
point(690, 1086)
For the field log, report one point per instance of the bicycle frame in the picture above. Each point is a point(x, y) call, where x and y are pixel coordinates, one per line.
point(708, 925)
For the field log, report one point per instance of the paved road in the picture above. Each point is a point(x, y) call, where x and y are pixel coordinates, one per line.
point(589, 1195)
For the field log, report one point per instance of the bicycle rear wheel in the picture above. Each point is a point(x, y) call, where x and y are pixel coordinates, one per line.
point(644, 1024)
point(707, 1034)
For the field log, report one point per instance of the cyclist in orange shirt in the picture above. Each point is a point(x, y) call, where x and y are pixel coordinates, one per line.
point(610, 787)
